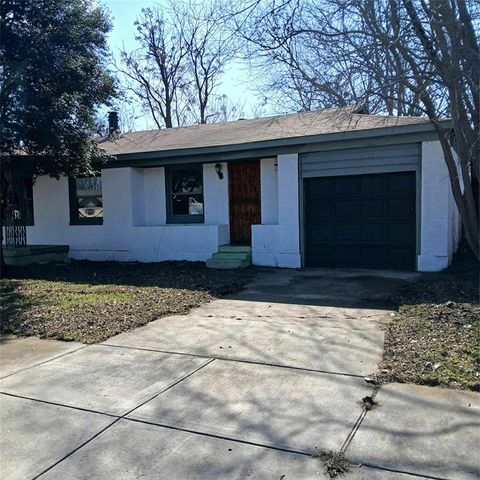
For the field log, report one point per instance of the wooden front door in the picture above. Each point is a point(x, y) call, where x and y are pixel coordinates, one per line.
point(244, 191)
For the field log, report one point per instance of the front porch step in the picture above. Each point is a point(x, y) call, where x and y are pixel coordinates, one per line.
point(227, 264)
point(235, 248)
point(231, 256)
point(226, 255)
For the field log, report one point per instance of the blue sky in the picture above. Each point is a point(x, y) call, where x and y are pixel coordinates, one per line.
point(124, 12)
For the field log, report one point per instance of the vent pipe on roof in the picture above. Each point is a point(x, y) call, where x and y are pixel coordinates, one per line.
point(112, 123)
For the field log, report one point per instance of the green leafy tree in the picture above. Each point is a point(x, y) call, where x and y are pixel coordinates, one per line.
point(53, 79)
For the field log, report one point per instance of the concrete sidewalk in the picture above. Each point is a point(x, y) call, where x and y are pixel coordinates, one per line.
point(245, 387)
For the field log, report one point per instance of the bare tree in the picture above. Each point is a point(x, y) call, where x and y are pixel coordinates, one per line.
point(156, 71)
point(435, 56)
point(448, 54)
point(304, 56)
point(222, 109)
point(210, 48)
point(178, 67)
point(402, 57)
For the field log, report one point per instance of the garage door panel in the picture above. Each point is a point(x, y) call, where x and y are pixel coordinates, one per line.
point(365, 221)
point(321, 233)
point(400, 182)
point(321, 187)
point(345, 209)
point(360, 257)
point(372, 184)
point(344, 257)
point(372, 208)
point(400, 233)
point(363, 257)
point(372, 233)
point(345, 232)
point(321, 211)
point(372, 257)
point(399, 257)
point(398, 207)
point(343, 185)
point(321, 256)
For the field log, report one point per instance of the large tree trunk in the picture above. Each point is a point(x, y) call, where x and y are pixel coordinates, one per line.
point(468, 211)
point(454, 55)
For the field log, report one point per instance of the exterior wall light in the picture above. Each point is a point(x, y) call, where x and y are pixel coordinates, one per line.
point(218, 169)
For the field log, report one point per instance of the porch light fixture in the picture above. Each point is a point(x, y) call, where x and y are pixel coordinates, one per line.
point(218, 169)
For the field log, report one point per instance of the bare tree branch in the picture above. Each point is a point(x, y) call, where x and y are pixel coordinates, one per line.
point(178, 67)
point(400, 57)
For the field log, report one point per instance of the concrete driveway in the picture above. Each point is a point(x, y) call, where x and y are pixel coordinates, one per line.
point(245, 387)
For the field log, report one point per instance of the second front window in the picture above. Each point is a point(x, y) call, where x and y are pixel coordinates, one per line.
point(86, 202)
point(185, 194)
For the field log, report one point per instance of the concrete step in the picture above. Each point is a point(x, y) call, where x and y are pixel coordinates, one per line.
point(235, 248)
point(231, 256)
point(227, 263)
point(239, 255)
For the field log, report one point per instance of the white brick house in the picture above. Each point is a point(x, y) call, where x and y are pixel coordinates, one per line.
point(329, 188)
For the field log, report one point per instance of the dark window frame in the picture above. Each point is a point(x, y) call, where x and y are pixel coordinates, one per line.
point(181, 219)
point(18, 180)
point(72, 193)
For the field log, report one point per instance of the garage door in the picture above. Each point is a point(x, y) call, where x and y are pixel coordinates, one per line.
point(363, 221)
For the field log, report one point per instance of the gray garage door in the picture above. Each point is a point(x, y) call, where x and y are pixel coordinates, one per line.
point(363, 221)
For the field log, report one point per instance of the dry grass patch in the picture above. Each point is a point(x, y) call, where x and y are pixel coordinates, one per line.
point(434, 339)
point(92, 301)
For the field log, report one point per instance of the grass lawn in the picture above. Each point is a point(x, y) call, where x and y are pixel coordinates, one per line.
point(92, 301)
point(434, 339)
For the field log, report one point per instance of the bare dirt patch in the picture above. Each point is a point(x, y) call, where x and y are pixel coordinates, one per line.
point(91, 301)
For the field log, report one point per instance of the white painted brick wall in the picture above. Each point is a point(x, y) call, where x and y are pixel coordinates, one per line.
point(135, 216)
point(278, 245)
point(439, 231)
point(269, 191)
point(134, 225)
point(215, 194)
point(153, 198)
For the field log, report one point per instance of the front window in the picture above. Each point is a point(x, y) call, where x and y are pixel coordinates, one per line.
point(185, 194)
point(86, 202)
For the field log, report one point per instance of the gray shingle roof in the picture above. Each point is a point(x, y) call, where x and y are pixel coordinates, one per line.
point(242, 132)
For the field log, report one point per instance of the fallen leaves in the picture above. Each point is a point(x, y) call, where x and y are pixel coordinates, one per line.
point(434, 338)
point(92, 301)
